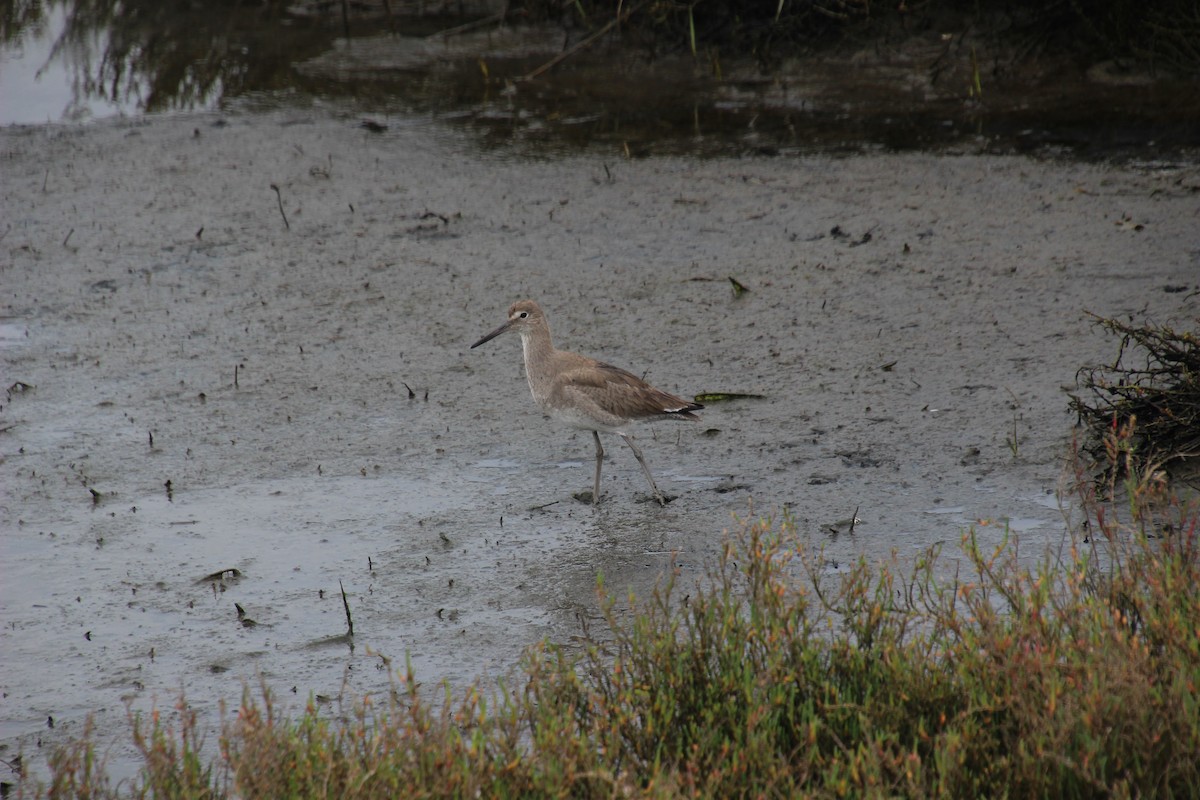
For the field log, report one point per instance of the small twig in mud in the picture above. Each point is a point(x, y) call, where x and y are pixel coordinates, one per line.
point(1014, 444)
point(721, 397)
point(68, 237)
point(346, 604)
point(411, 393)
point(842, 525)
point(279, 199)
point(236, 367)
point(866, 237)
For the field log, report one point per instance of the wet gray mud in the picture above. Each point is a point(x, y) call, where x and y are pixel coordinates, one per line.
point(906, 316)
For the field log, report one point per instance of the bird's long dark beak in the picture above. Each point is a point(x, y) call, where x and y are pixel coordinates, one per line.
point(492, 335)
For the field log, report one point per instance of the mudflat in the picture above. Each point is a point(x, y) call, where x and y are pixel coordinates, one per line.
point(235, 350)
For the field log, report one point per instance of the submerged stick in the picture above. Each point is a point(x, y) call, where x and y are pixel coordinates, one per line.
point(586, 43)
point(470, 26)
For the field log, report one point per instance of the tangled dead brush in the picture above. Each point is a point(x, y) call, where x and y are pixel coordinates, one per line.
point(1154, 382)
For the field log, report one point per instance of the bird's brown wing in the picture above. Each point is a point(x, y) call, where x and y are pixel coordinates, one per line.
point(623, 394)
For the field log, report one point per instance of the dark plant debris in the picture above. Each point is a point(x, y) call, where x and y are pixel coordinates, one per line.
point(1153, 386)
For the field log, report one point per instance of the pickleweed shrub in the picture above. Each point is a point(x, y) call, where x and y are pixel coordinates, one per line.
point(1074, 677)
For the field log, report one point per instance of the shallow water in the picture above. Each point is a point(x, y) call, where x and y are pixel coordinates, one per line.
point(69, 61)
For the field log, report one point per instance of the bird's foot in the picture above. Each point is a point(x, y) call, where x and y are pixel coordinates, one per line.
point(660, 498)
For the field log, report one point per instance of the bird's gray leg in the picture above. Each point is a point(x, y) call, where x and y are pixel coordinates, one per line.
point(599, 461)
point(642, 460)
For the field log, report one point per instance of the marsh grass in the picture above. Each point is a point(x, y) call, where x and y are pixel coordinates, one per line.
point(1074, 674)
point(1163, 35)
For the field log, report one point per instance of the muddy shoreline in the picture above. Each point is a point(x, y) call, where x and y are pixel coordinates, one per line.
point(911, 322)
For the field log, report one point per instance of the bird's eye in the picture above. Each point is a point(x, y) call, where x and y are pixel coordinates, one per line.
point(523, 314)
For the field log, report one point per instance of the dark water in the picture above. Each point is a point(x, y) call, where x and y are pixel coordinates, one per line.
point(68, 60)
